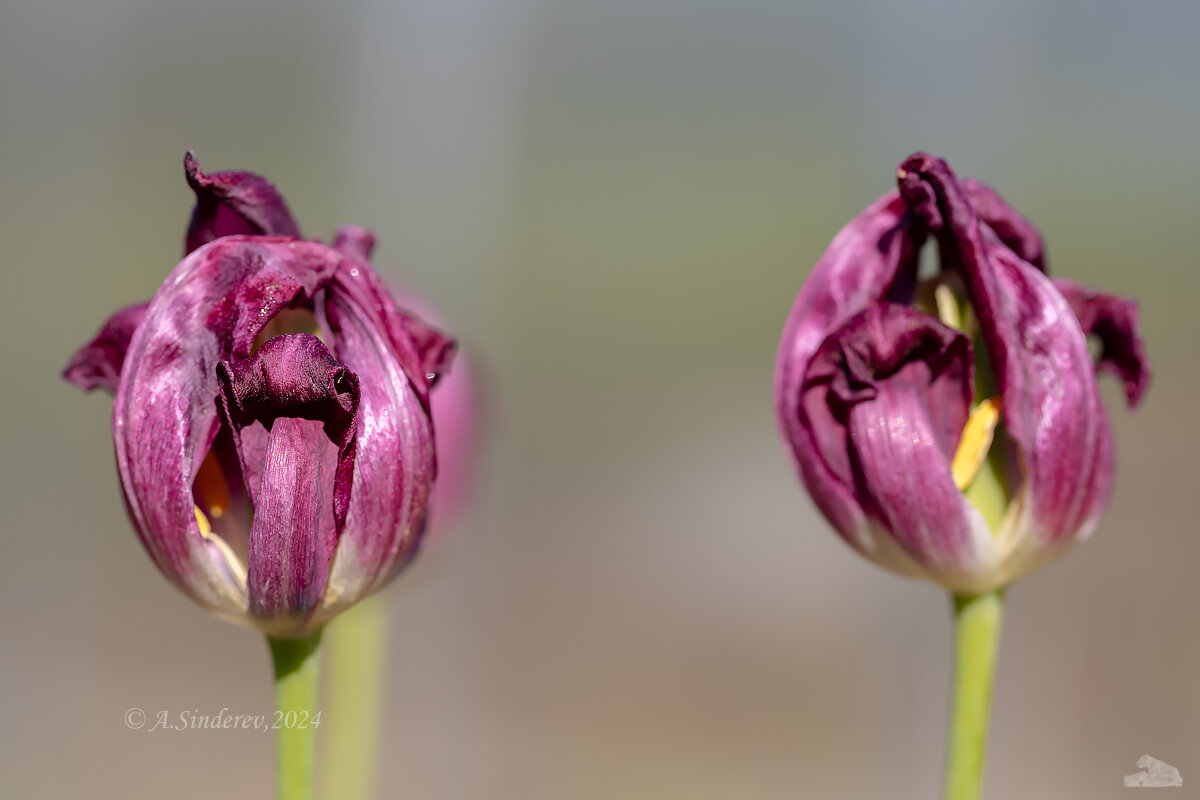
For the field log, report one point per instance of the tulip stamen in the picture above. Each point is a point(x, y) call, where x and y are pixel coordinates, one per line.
point(944, 297)
point(948, 309)
point(975, 442)
point(236, 568)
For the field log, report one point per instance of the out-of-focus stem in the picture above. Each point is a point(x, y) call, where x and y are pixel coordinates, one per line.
point(297, 663)
point(356, 646)
point(977, 622)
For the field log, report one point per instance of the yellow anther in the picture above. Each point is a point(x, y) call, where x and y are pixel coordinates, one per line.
point(236, 568)
point(976, 439)
point(947, 306)
point(202, 521)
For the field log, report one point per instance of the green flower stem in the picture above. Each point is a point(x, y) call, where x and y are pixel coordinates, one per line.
point(357, 647)
point(297, 663)
point(977, 621)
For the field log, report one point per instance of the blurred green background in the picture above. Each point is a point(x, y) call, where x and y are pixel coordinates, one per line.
point(613, 205)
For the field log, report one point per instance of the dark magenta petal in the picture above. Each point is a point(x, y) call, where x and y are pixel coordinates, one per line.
point(210, 309)
point(434, 348)
point(1114, 322)
point(292, 409)
point(887, 395)
point(396, 461)
point(291, 539)
point(866, 260)
point(97, 365)
point(425, 351)
point(354, 241)
point(455, 406)
point(1051, 406)
point(232, 203)
point(1021, 235)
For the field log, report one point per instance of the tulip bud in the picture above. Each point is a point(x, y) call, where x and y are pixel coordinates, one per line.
point(273, 475)
point(951, 428)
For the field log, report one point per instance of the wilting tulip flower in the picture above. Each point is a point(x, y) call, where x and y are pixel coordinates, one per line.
point(271, 416)
point(895, 390)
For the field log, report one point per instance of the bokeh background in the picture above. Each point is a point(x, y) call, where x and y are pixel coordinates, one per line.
point(613, 205)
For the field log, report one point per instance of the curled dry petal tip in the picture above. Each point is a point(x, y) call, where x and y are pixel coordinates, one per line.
point(232, 203)
point(97, 364)
point(883, 420)
point(1114, 322)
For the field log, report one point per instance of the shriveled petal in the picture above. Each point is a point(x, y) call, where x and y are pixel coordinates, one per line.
point(210, 309)
point(396, 462)
point(97, 365)
point(871, 257)
point(455, 406)
point(425, 352)
point(888, 394)
point(292, 409)
point(458, 410)
point(1052, 408)
point(1114, 322)
point(1018, 233)
point(232, 203)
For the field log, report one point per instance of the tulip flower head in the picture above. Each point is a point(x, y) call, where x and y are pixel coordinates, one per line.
point(271, 416)
point(950, 426)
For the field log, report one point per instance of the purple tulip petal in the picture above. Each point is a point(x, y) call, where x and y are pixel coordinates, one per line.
point(876, 251)
point(355, 241)
point(424, 351)
point(1021, 235)
point(1051, 405)
point(455, 406)
point(210, 309)
point(1114, 321)
point(232, 203)
point(97, 365)
point(396, 462)
point(888, 394)
point(300, 405)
